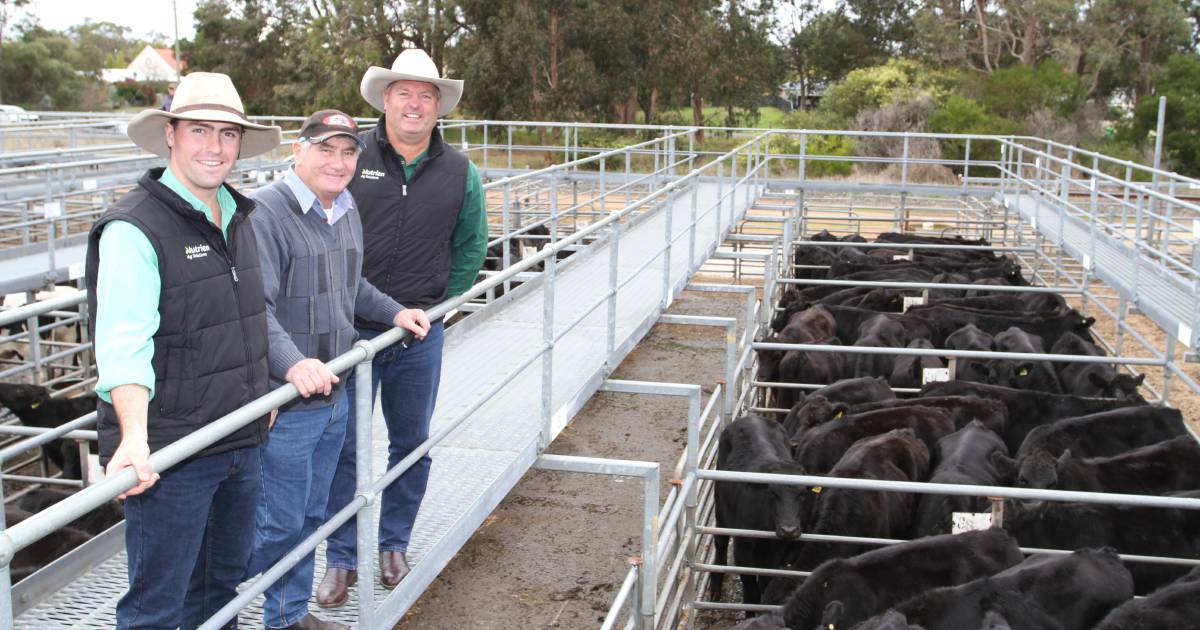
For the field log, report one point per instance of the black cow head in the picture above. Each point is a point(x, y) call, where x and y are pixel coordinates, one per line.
point(1005, 466)
point(1040, 470)
point(18, 398)
point(1116, 385)
point(788, 502)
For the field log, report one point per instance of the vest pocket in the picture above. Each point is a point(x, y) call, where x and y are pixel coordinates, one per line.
point(177, 397)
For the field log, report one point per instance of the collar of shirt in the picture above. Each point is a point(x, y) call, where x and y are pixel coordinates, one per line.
point(308, 199)
point(224, 199)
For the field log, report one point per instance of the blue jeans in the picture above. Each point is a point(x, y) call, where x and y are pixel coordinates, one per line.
point(408, 380)
point(187, 541)
point(298, 460)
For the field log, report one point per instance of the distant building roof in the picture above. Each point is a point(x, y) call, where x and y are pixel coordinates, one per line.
point(168, 56)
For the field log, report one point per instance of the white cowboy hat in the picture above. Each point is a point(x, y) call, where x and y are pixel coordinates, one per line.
point(412, 65)
point(203, 96)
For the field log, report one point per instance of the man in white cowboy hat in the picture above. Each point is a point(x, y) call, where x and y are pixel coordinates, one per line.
point(310, 244)
point(181, 340)
point(424, 240)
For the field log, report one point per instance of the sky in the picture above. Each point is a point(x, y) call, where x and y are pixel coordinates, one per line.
point(143, 17)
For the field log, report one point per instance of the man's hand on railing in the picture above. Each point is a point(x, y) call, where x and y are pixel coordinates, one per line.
point(413, 320)
point(311, 376)
point(134, 452)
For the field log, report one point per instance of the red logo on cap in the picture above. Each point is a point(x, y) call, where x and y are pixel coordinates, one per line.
point(339, 121)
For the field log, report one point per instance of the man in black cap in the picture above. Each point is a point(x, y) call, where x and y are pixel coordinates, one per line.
point(310, 246)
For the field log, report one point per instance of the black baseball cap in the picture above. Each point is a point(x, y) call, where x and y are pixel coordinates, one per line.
point(328, 123)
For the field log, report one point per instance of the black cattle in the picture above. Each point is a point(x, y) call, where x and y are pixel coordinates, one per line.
point(850, 321)
point(43, 551)
point(884, 300)
point(1168, 532)
point(811, 325)
point(93, 523)
point(1176, 605)
point(1027, 409)
point(969, 337)
point(908, 370)
point(880, 331)
point(845, 591)
point(1075, 591)
point(897, 455)
point(963, 409)
point(1042, 302)
point(1006, 302)
point(856, 391)
point(1170, 466)
point(1092, 379)
point(809, 366)
point(1023, 373)
point(822, 446)
point(1106, 433)
point(816, 409)
point(971, 456)
point(755, 444)
point(34, 406)
point(944, 320)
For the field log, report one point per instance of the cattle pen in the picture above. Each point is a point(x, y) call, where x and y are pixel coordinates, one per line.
point(1117, 239)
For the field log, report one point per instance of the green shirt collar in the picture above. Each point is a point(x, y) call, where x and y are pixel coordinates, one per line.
point(224, 199)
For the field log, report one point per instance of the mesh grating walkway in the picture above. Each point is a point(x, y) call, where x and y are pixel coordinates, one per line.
point(476, 466)
point(1167, 297)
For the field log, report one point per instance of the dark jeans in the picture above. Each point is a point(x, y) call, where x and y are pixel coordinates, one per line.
point(407, 379)
point(298, 460)
point(188, 539)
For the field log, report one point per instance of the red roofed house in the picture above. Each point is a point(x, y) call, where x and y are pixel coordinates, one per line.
point(152, 64)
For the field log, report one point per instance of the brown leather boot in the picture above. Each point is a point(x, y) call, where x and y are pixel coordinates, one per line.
point(334, 589)
point(393, 566)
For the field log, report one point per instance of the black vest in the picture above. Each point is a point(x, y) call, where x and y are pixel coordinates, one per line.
point(408, 223)
point(210, 350)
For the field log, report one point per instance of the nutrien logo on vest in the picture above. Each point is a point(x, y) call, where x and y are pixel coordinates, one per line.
point(370, 174)
point(196, 251)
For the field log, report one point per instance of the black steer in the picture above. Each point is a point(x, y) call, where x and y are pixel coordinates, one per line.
point(35, 408)
point(1106, 433)
point(972, 456)
point(1170, 466)
point(1023, 373)
point(1101, 380)
point(1075, 591)
point(1027, 409)
point(908, 370)
point(964, 409)
point(969, 337)
point(854, 391)
point(845, 591)
point(1169, 532)
point(1176, 605)
point(820, 448)
point(755, 444)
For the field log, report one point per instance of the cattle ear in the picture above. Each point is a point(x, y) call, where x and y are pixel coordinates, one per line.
point(1138, 380)
point(840, 409)
point(1004, 465)
point(1088, 321)
point(1063, 459)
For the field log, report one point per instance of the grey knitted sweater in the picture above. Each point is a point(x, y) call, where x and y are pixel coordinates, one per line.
point(312, 278)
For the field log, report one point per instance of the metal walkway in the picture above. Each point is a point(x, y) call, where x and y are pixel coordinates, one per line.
point(480, 462)
point(1166, 297)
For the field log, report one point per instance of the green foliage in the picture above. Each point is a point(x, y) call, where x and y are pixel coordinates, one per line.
point(1016, 92)
point(38, 74)
point(820, 146)
point(897, 80)
point(137, 93)
point(963, 115)
point(1179, 81)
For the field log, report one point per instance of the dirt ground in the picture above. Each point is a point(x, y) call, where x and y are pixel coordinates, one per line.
point(556, 550)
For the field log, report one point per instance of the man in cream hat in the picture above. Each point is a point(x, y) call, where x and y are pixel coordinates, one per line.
point(181, 340)
point(424, 240)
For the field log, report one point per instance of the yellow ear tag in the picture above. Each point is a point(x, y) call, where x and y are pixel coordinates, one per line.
point(816, 489)
point(36, 405)
point(1023, 372)
point(838, 415)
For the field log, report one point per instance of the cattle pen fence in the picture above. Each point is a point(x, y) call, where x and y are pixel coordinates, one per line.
point(1117, 238)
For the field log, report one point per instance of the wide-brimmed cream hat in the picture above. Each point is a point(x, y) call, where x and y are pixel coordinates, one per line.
point(411, 65)
point(203, 96)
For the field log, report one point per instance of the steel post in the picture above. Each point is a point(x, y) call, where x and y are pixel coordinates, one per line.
point(365, 417)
